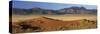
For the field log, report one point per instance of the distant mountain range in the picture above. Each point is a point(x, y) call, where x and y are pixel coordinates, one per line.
point(37, 10)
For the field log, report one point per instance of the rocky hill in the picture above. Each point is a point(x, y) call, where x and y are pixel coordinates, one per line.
point(70, 10)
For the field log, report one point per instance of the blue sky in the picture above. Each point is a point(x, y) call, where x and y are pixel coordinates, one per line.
point(54, 6)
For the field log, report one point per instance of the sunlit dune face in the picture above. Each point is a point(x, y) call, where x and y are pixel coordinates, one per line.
point(43, 23)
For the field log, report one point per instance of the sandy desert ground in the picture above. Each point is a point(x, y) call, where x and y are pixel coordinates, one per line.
point(43, 23)
point(67, 17)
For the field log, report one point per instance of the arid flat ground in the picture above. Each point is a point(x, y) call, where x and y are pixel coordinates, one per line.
point(67, 17)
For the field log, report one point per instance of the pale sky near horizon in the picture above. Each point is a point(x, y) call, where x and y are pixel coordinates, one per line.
point(55, 6)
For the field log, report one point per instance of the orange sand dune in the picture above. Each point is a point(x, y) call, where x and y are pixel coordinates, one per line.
point(49, 24)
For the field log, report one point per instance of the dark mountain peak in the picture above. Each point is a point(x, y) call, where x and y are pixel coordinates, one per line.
point(35, 8)
point(74, 7)
point(78, 8)
point(39, 10)
point(82, 8)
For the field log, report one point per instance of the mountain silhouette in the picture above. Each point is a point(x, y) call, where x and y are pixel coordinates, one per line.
point(70, 10)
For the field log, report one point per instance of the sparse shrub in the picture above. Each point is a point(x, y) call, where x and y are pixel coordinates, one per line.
point(26, 27)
